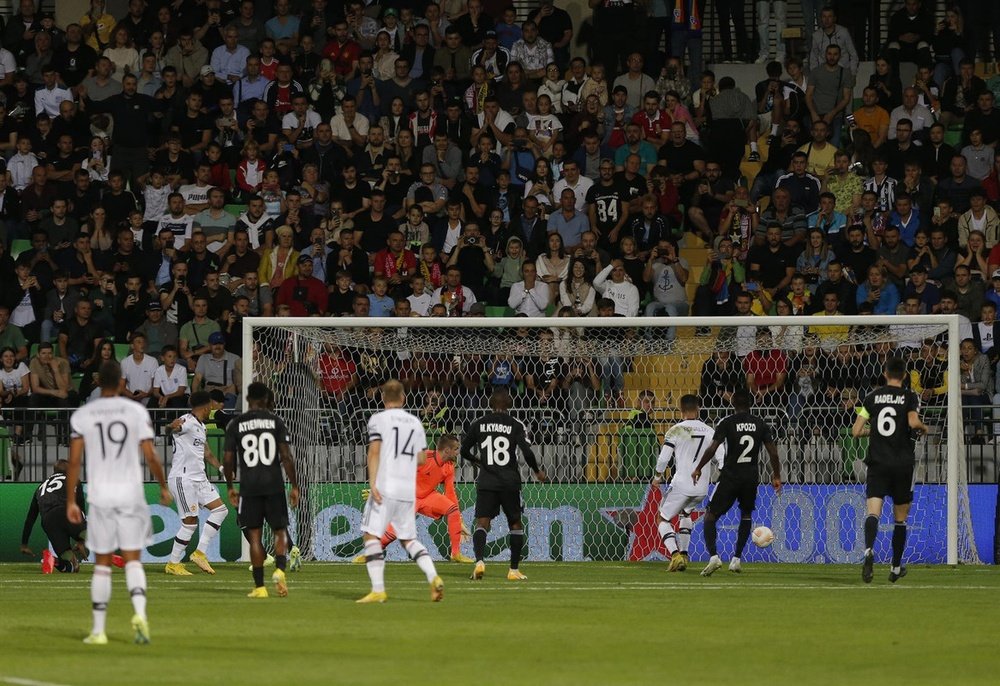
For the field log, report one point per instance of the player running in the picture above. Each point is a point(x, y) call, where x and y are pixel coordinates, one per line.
point(397, 447)
point(683, 446)
point(437, 470)
point(895, 413)
point(49, 501)
point(114, 432)
point(743, 435)
point(191, 488)
point(492, 443)
point(257, 441)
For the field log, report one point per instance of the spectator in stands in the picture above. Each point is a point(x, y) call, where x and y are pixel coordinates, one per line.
point(829, 92)
point(766, 372)
point(530, 296)
point(80, 337)
point(790, 219)
point(219, 370)
point(51, 386)
point(194, 334)
point(667, 272)
point(623, 293)
point(911, 32)
point(985, 118)
point(138, 370)
point(882, 296)
point(170, 381)
point(979, 217)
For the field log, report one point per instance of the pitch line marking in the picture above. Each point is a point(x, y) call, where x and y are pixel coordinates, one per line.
point(17, 681)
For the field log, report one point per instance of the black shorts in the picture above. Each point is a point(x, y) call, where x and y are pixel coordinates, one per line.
point(893, 481)
point(489, 504)
point(254, 510)
point(731, 490)
point(60, 530)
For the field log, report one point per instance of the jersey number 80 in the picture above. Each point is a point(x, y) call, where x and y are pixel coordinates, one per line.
point(260, 448)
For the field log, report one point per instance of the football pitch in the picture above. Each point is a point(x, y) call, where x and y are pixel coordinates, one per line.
point(570, 623)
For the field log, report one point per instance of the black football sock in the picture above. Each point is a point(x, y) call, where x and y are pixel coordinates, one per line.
point(479, 543)
point(280, 561)
point(742, 536)
point(898, 543)
point(64, 566)
point(516, 546)
point(258, 576)
point(711, 536)
point(871, 531)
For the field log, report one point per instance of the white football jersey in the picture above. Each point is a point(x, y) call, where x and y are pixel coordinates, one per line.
point(189, 450)
point(112, 430)
point(686, 443)
point(402, 436)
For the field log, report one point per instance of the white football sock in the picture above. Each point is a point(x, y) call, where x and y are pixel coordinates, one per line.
point(181, 541)
point(211, 528)
point(668, 536)
point(753, 146)
point(100, 594)
point(684, 533)
point(774, 129)
point(376, 565)
point(417, 551)
point(135, 581)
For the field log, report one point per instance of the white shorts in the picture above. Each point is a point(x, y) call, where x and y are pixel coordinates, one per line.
point(189, 495)
point(127, 527)
point(401, 514)
point(675, 502)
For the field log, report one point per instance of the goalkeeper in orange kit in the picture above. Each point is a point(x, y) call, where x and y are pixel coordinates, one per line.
point(437, 470)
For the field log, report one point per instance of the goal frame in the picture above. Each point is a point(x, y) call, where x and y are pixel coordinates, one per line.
point(952, 322)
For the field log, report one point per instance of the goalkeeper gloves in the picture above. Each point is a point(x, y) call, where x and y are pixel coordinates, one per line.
point(365, 493)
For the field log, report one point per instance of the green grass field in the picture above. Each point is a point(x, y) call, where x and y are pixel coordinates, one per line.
point(585, 623)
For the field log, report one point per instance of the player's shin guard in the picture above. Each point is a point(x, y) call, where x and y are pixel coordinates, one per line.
point(668, 536)
point(479, 543)
point(419, 554)
point(212, 525)
point(100, 594)
point(742, 536)
point(684, 532)
point(516, 539)
point(181, 541)
point(455, 530)
point(711, 536)
point(388, 537)
point(871, 531)
point(135, 581)
point(375, 563)
point(898, 543)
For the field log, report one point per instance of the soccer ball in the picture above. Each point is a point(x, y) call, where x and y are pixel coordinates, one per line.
point(762, 537)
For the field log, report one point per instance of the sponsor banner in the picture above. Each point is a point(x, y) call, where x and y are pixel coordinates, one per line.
point(579, 522)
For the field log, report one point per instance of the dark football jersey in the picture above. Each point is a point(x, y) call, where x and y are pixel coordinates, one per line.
point(253, 437)
point(744, 435)
point(887, 410)
point(608, 202)
point(51, 494)
point(493, 442)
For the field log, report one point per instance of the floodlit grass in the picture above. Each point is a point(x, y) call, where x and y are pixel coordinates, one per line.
point(585, 623)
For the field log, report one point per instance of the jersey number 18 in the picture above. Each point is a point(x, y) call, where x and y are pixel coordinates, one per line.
point(497, 450)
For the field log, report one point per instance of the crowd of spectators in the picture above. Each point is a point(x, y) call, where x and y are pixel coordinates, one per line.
point(173, 170)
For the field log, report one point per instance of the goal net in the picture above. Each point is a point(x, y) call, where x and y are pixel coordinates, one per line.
point(596, 396)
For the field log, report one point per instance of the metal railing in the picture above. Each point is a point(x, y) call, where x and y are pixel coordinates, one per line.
point(585, 443)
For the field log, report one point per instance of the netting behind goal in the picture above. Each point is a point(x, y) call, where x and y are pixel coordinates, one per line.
point(597, 400)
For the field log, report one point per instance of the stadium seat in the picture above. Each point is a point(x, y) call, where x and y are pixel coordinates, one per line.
point(122, 350)
point(499, 311)
point(236, 210)
point(18, 246)
point(5, 466)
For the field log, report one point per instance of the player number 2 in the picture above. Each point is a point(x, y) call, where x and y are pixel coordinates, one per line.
point(262, 449)
point(748, 444)
point(885, 423)
point(497, 450)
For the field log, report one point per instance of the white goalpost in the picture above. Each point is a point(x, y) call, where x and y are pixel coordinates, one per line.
point(597, 394)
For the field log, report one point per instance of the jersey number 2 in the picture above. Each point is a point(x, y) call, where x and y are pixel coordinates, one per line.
point(748, 445)
point(260, 449)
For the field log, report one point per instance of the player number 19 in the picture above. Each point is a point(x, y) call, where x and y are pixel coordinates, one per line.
point(497, 450)
point(260, 449)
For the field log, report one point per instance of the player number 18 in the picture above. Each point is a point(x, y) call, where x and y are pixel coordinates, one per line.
point(497, 450)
